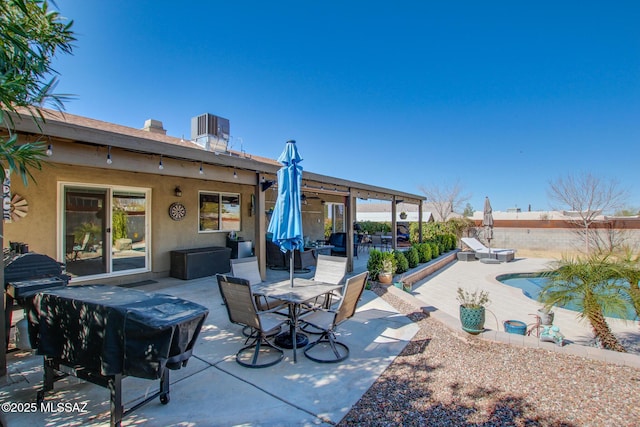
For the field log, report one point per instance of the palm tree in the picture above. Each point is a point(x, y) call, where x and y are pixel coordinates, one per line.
point(30, 37)
point(629, 268)
point(594, 285)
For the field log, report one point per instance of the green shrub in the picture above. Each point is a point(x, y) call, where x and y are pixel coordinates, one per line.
point(413, 258)
point(453, 242)
point(374, 265)
point(424, 252)
point(402, 264)
point(435, 249)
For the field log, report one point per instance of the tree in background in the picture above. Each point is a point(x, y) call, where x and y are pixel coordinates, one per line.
point(445, 199)
point(627, 211)
point(587, 197)
point(30, 37)
point(468, 211)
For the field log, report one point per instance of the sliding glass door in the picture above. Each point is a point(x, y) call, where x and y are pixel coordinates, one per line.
point(105, 230)
point(129, 230)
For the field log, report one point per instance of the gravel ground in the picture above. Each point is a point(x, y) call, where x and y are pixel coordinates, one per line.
point(442, 379)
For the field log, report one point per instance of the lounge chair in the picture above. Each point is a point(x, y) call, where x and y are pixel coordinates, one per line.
point(481, 251)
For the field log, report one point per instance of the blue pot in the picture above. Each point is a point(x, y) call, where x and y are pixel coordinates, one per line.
point(515, 327)
point(472, 319)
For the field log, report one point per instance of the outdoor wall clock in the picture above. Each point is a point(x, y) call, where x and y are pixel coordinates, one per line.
point(177, 211)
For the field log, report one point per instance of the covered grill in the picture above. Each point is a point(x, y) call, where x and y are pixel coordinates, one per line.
point(104, 333)
point(26, 274)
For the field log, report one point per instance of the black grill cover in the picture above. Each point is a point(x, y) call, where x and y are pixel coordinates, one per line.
point(113, 330)
point(31, 266)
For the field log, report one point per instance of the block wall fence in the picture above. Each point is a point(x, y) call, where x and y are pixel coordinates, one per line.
point(548, 239)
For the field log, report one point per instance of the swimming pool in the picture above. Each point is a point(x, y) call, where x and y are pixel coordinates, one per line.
point(532, 283)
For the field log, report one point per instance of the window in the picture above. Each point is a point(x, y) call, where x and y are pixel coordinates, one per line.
point(219, 212)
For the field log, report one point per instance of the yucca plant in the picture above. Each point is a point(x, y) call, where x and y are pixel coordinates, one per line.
point(475, 299)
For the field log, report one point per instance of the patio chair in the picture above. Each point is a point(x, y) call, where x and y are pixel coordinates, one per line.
point(327, 349)
point(81, 247)
point(378, 243)
point(364, 241)
point(330, 269)
point(242, 310)
point(276, 259)
point(481, 251)
point(302, 260)
point(339, 243)
point(248, 269)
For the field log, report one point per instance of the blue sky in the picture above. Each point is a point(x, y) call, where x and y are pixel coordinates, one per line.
point(501, 96)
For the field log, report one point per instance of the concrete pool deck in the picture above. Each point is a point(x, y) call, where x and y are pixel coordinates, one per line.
point(438, 292)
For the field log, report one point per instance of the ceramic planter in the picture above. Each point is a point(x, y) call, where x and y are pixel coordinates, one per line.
point(472, 319)
point(515, 327)
point(546, 317)
point(385, 278)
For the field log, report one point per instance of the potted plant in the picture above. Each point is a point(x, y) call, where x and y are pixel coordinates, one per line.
point(546, 315)
point(403, 215)
point(385, 276)
point(472, 310)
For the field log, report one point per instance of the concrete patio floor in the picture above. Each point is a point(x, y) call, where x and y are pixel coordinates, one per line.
point(213, 390)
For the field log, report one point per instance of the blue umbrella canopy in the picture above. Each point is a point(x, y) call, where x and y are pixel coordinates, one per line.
point(286, 219)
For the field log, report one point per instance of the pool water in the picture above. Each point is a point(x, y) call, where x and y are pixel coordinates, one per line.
point(532, 283)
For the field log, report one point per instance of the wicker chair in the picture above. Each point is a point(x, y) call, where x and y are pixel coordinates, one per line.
point(276, 259)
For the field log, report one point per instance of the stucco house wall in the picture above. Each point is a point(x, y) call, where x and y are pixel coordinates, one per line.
point(37, 228)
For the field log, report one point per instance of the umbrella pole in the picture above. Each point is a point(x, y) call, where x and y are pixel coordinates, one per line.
point(291, 261)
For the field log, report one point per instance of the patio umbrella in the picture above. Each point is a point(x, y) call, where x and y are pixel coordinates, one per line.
point(487, 222)
point(286, 220)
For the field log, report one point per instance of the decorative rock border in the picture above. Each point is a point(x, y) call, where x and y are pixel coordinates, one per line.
point(453, 323)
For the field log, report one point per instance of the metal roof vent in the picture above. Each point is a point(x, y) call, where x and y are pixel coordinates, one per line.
point(154, 126)
point(210, 132)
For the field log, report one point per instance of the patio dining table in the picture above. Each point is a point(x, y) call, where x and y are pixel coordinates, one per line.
point(303, 290)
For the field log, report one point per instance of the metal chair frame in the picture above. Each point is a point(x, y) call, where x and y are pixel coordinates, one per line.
point(328, 320)
point(240, 303)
